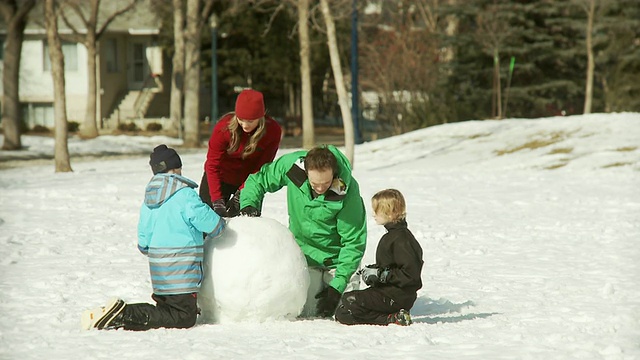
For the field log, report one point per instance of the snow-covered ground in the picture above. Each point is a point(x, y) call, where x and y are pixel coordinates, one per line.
point(530, 231)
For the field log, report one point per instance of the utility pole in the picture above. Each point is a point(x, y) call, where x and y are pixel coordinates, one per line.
point(214, 70)
point(355, 111)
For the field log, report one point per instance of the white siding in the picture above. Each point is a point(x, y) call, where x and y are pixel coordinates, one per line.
point(36, 84)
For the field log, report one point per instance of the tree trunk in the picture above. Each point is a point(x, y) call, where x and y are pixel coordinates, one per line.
point(291, 109)
point(607, 95)
point(89, 129)
point(308, 140)
point(90, 38)
point(343, 99)
point(15, 24)
point(177, 75)
point(192, 76)
point(588, 96)
point(10, 81)
point(496, 79)
point(61, 150)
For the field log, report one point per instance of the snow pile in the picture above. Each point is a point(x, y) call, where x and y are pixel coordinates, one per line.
point(254, 271)
point(573, 143)
point(41, 147)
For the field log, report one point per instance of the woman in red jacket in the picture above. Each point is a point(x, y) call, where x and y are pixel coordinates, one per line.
point(241, 142)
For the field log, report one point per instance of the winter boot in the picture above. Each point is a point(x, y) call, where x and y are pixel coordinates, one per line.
point(402, 318)
point(102, 317)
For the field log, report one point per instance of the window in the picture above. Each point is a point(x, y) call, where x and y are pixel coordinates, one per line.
point(70, 53)
point(111, 55)
point(138, 62)
point(38, 114)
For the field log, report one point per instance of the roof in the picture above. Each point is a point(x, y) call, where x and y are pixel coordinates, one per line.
point(138, 20)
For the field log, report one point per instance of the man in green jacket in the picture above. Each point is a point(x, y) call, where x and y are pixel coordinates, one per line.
point(326, 216)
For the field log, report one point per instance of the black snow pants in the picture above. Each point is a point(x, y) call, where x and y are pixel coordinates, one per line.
point(170, 311)
point(368, 306)
point(226, 189)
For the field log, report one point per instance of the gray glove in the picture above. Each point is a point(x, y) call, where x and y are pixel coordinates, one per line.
point(219, 207)
point(328, 300)
point(233, 207)
point(372, 274)
point(250, 211)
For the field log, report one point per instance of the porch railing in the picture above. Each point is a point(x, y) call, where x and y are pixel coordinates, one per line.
point(151, 86)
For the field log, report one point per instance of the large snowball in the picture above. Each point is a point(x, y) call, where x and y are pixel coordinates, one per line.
point(254, 271)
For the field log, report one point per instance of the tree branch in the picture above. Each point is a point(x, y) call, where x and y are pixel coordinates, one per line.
point(6, 10)
point(207, 10)
point(78, 11)
point(66, 21)
point(10, 11)
point(76, 36)
point(25, 8)
point(113, 16)
point(429, 16)
point(272, 18)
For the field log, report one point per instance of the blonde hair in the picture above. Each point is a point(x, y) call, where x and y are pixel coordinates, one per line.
point(236, 130)
point(389, 203)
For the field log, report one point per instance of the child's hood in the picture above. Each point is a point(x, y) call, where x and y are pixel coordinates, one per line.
point(162, 186)
point(344, 165)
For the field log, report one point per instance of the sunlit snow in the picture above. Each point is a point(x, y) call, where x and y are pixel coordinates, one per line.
point(530, 230)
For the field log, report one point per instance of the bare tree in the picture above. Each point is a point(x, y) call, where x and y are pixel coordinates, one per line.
point(192, 75)
point(428, 12)
point(14, 14)
point(589, 7)
point(303, 10)
point(492, 33)
point(308, 140)
point(400, 64)
point(61, 150)
point(305, 18)
point(593, 9)
point(89, 36)
point(343, 99)
point(197, 16)
point(177, 74)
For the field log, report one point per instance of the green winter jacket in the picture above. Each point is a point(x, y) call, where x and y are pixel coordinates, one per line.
point(331, 229)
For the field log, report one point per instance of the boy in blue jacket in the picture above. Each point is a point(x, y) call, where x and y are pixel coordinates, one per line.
point(172, 222)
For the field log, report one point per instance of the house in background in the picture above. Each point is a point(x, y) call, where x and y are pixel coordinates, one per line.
point(133, 76)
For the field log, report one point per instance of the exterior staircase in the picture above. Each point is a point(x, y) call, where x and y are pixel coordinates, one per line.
point(126, 108)
point(135, 103)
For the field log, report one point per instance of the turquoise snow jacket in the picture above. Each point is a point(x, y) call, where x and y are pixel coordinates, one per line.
point(170, 232)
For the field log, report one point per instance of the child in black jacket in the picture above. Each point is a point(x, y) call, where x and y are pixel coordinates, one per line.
point(395, 277)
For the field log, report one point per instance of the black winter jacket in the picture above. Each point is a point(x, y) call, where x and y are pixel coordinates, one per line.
point(399, 251)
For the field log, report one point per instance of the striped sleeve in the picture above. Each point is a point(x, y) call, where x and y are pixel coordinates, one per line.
point(176, 270)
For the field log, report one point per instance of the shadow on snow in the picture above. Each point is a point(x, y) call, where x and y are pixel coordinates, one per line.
point(424, 309)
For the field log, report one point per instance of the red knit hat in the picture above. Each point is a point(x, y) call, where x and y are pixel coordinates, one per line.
point(250, 105)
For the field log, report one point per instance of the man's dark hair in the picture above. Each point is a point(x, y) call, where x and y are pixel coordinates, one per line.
point(321, 158)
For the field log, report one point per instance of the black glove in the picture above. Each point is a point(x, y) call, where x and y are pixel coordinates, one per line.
point(372, 274)
point(327, 302)
point(249, 211)
point(233, 206)
point(219, 207)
